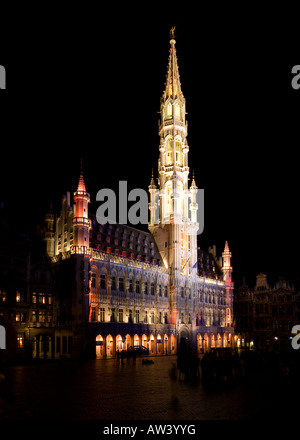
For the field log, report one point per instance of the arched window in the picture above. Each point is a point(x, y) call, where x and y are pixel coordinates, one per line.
point(169, 110)
point(152, 288)
point(102, 281)
point(178, 155)
point(177, 111)
point(114, 282)
point(130, 285)
point(93, 281)
point(162, 113)
point(169, 152)
point(138, 286)
point(169, 199)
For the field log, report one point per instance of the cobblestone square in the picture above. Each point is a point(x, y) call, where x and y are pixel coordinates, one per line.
point(129, 390)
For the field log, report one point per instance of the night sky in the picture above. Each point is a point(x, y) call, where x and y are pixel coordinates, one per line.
point(87, 83)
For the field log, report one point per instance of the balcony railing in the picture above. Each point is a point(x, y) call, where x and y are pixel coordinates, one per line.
point(82, 221)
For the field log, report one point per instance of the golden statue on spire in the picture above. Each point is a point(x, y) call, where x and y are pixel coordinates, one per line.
point(172, 33)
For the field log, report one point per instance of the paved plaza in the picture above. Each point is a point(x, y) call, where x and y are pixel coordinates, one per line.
point(128, 390)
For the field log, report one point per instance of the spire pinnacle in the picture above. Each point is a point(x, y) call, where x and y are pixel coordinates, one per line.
point(172, 84)
point(152, 183)
point(81, 185)
point(193, 184)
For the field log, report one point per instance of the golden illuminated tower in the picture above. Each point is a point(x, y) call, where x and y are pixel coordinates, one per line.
point(81, 222)
point(227, 277)
point(175, 227)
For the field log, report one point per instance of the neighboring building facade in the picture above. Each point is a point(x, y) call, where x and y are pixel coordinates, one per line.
point(26, 296)
point(265, 315)
point(15, 251)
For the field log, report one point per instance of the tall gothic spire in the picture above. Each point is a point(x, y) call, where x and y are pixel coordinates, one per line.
point(152, 182)
point(172, 84)
point(81, 185)
point(226, 248)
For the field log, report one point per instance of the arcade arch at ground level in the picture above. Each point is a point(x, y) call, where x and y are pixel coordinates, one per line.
point(208, 340)
point(110, 340)
point(110, 346)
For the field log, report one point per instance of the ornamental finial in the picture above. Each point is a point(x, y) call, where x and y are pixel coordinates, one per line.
point(172, 33)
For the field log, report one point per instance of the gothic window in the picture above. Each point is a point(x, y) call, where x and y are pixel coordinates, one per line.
point(160, 290)
point(120, 315)
point(137, 316)
point(152, 288)
point(169, 152)
point(42, 317)
point(169, 110)
point(177, 153)
point(162, 113)
point(3, 295)
point(121, 284)
point(20, 340)
point(137, 286)
point(42, 298)
point(130, 285)
point(93, 281)
point(177, 111)
point(102, 314)
point(102, 281)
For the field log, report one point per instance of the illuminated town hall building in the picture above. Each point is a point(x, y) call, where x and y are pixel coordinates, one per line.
point(116, 287)
point(128, 288)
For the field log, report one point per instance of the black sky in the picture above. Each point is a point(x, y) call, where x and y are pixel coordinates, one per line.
point(87, 83)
